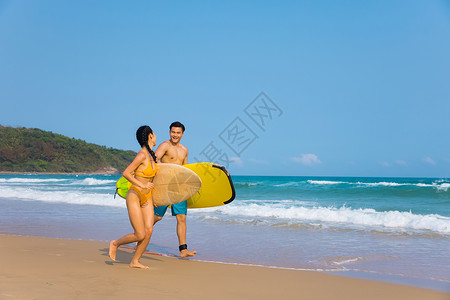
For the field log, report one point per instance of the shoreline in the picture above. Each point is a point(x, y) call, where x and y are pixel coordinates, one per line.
point(431, 284)
point(83, 218)
point(56, 268)
point(70, 207)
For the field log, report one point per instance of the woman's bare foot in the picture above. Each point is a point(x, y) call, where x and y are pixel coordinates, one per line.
point(138, 265)
point(112, 250)
point(187, 253)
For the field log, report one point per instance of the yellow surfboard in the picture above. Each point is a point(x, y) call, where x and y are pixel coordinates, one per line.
point(217, 187)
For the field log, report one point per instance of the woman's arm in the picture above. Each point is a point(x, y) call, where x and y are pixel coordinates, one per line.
point(138, 160)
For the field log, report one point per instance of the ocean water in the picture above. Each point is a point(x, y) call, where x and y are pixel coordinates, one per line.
point(392, 229)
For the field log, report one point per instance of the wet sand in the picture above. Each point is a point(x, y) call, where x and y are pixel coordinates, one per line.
point(47, 268)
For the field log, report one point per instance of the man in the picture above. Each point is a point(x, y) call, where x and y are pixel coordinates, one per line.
point(171, 151)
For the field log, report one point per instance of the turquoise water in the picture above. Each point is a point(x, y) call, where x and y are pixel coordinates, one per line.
point(408, 205)
point(395, 228)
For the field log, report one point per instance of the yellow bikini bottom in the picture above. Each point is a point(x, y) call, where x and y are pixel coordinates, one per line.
point(143, 197)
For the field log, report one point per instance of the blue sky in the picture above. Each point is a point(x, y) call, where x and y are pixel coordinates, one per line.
point(351, 88)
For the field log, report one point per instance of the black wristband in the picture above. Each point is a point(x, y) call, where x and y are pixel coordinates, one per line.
point(182, 247)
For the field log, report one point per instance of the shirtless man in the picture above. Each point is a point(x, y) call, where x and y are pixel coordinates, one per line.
point(172, 151)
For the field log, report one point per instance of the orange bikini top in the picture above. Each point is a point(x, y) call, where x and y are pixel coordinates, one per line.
point(149, 171)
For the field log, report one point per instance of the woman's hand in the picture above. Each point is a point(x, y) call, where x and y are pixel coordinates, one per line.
point(149, 186)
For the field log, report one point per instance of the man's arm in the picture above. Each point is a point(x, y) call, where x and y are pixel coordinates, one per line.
point(185, 161)
point(161, 151)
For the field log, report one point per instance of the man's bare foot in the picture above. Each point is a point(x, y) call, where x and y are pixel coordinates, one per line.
point(187, 253)
point(112, 250)
point(138, 265)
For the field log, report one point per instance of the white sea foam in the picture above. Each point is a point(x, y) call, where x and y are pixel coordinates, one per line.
point(292, 183)
point(325, 182)
point(343, 216)
point(439, 186)
point(93, 181)
point(444, 186)
point(247, 184)
point(424, 185)
point(72, 197)
point(85, 181)
point(382, 183)
point(29, 180)
point(347, 261)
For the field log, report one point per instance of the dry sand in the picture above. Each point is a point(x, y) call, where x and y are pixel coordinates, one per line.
point(44, 268)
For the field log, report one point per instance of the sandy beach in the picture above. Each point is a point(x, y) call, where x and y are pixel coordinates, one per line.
point(46, 268)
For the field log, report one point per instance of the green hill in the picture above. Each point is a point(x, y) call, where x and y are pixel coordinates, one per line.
point(35, 150)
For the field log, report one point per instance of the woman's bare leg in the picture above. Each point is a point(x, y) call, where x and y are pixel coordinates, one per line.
point(137, 222)
point(147, 213)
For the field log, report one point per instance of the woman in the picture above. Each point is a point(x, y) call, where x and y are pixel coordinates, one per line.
point(139, 198)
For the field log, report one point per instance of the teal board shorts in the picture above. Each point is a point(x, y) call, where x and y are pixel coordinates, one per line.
point(177, 209)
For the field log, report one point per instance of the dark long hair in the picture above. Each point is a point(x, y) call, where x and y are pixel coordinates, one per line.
point(142, 138)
